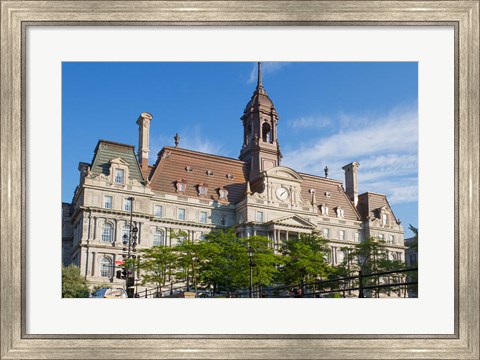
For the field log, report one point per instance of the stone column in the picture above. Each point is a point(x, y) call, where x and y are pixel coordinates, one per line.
point(95, 228)
point(94, 258)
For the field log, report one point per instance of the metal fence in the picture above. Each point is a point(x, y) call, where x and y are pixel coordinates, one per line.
point(402, 283)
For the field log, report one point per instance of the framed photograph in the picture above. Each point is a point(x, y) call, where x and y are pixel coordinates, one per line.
point(93, 78)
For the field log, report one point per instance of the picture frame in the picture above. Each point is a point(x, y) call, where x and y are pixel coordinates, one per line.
point(16, 16)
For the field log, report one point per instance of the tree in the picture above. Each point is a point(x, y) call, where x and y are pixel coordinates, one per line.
point(73, 284)
point(372, 256)
point(264, 259)
point(413, 276)
point(225, 265)
point(188, 258)
point(304, 259)
point(216, 269)
point(157, 265)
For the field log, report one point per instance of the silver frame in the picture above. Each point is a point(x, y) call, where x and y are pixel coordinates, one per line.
point(17, 15)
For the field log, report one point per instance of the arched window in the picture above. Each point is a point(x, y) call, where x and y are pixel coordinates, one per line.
point(107, 232)
point(106, 267)
point(249, 132)
point(158, 238)
point(266, 132)
point(125, 231)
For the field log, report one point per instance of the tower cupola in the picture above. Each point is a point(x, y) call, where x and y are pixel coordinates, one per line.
point(260, 149)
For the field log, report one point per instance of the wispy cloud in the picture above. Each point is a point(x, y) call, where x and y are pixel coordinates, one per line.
point(267, 69)
point(385, 147)
point(191, 139)
point(310, 122)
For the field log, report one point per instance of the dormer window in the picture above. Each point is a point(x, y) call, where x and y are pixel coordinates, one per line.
point(223, 194)
point(340, 212)
point(119, 176)
point(118, 171)
point(180, 186)
point(209, 173)
point(324, 209)
point(189, 169)
point(202, 189)
point(383, 215)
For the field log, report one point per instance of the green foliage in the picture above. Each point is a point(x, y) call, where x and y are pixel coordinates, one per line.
point(371, 256)
point(413, 276)
point(73, 284)
point(304, 259)
point(218, 253)
point(264, 260)
point(414, 243)
point(157, 264)
point(225, 261)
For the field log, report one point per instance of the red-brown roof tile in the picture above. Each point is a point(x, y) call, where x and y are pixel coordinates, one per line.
point(171, 166)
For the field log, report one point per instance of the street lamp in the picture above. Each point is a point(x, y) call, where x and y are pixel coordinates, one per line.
point(131, 241)
point(252, 264)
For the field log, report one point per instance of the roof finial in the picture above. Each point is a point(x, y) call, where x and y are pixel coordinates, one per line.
point(177, 140)
point(259, 78)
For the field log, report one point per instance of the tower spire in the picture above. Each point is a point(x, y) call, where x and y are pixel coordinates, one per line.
point(260, 88)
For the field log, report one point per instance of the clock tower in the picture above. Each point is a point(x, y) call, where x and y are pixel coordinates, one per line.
point(260, 149)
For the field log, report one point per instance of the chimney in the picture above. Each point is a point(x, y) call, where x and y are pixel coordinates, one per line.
point(351, 182)
point(143, 139)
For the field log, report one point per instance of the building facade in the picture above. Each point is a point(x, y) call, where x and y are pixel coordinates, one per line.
point(194, 193)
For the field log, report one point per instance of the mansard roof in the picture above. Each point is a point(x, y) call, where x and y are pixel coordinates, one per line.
point(196, 168)
point(109, 150)
point(370, 203)
point(329, 192)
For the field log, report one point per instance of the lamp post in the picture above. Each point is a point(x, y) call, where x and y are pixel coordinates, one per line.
point(252, 264)
point(131, 241)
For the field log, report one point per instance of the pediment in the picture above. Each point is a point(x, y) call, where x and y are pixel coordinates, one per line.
point(284, 172)
point(294, 221)
point(119, 160)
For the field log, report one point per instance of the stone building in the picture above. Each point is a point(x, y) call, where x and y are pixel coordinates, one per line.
point(197, 192)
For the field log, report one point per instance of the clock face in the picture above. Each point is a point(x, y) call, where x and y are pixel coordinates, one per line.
point(282, 193)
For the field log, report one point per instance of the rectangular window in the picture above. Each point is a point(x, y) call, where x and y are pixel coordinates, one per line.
point(384, 219)
point(382, 237)
point(259, 217)
point(119, 176)
point(107, 203)
point(203, 217)
point(127, 205)
point(391, 239)
point(181, 214)
point(157, 210)
point(326, 233)
point(342, 235)
point(357, 236)
point(223, 220)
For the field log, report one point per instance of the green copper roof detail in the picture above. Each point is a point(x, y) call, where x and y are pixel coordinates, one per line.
point(107, 151)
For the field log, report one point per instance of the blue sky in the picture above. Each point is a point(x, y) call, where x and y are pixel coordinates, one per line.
point(330, 114)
